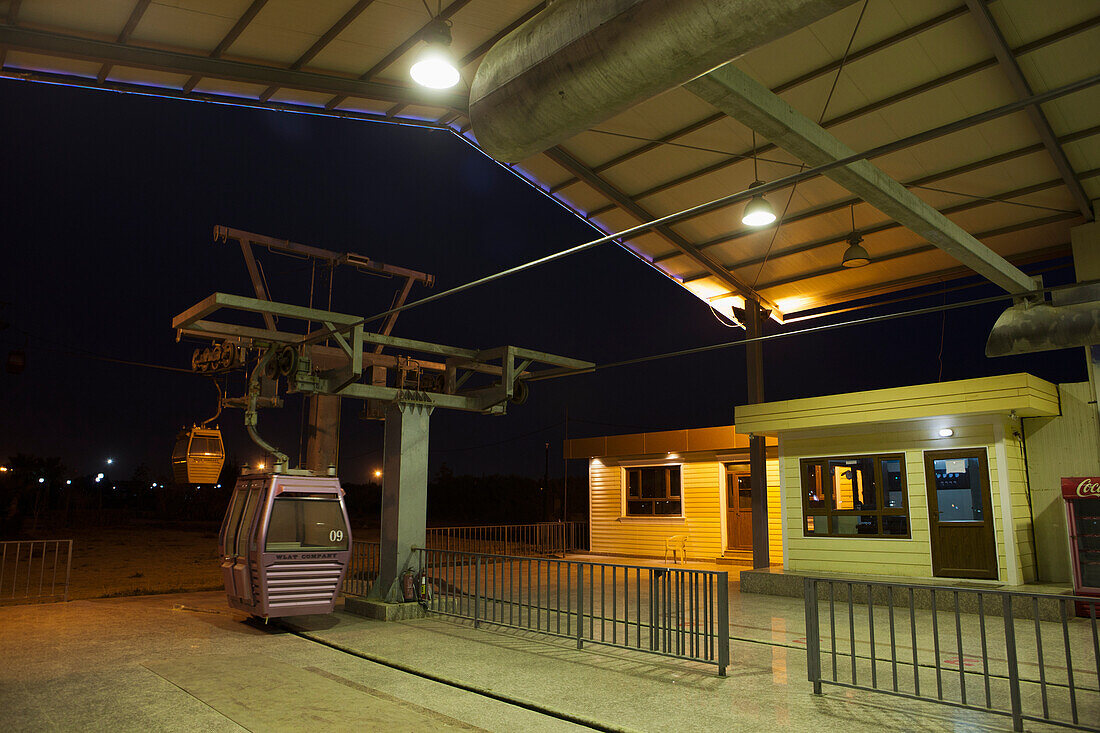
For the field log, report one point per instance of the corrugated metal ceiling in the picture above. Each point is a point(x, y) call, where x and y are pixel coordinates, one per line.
point(912, 66)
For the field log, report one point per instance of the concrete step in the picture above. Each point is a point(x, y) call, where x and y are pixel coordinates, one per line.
point(735, 557)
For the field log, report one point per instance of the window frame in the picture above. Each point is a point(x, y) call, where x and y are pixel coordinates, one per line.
point(879, 512)
point(679, 497)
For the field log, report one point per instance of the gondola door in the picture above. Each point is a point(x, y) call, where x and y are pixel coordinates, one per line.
point(240, 528)
point(227, 538)
point(738, 508)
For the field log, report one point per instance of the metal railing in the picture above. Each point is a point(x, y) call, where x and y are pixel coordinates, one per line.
point(671, 612)
point(541, 539)
point(984, 650)
point(35, 570)
point(362, 568)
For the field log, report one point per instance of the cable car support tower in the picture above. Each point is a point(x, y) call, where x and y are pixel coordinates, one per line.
point(403, 387)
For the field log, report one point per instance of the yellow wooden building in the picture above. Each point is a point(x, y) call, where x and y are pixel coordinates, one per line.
point(646, 488)
point(928, 481)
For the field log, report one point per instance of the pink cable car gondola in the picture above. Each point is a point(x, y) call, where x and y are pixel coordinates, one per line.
point(284, 544)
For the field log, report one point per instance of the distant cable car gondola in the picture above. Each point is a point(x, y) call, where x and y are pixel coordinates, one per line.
point(285, 544)
point(198, 456)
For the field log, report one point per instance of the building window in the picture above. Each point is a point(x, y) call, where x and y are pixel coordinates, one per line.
point(653, 491)
point(857, 496)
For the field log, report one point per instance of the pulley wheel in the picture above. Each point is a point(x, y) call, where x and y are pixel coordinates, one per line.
point(287, 360)
point(229, 355)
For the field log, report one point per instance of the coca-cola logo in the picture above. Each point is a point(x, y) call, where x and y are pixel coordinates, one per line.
point(1088, 488)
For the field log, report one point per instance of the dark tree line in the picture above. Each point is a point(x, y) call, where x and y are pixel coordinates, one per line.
point(40, 494)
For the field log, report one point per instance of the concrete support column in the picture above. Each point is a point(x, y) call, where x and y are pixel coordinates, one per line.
point(758, 480)
point(404, 494)
point(323, 433)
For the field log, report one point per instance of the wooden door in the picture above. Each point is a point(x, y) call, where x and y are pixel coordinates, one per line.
point(960, 514)
point(738, 509)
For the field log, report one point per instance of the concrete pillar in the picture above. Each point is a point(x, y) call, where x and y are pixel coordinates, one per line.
point(323, 433)
point(758, 480)
point(404, 494)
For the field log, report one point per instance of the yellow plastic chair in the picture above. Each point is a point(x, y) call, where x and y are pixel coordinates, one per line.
point(676, 543)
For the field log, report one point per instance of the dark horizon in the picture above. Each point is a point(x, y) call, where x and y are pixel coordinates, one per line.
point(109, 202)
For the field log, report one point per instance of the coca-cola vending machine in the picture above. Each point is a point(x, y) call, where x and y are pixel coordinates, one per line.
point(1082, 495)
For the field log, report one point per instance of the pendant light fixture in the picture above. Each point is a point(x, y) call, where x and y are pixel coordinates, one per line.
point(855, 255)
point(758, 212)
point(435, 67)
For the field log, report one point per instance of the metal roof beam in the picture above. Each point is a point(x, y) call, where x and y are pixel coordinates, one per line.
point(13, 15)
point(847, 300)
point(175, 62)
point(890, 225)
point(980, 12)
point(354, 12)
point(124, 36)
point(400, 51)
point(737, 94)
point(916, 182)
point(785, 86)
point(919, 249)
point(563, 158)
point(230, 37)
point(927, 86)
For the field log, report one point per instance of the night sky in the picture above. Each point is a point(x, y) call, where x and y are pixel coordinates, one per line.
point(107, 203)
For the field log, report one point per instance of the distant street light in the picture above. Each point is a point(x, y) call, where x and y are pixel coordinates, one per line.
point(260, 466)
point(41, 480)
point(378, 473)
point(110, 461)
point(3, 469)
point(68, 481)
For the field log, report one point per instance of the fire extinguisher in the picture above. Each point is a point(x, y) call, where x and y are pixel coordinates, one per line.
point(408, 586)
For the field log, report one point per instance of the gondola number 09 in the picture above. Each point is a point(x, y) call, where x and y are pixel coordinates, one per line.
point(336, 535)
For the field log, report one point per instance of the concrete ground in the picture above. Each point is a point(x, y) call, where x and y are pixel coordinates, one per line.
point(186, 662)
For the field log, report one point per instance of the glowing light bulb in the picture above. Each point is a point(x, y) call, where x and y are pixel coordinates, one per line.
point(758, 212)
point(435, 67)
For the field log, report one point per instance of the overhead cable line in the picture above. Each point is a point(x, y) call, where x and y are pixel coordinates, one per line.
point(820, 119)
point(554, 374)
point(733, 198)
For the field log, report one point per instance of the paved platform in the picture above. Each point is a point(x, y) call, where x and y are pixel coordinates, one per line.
point(187, 662)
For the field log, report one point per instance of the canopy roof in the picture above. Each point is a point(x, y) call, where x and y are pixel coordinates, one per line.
point(910, 67)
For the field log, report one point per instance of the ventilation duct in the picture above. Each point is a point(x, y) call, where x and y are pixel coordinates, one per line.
point(579, 62)
point(1026, 328)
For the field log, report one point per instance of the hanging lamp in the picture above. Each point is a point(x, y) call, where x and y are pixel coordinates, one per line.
point(855, 255)
point(434, 66)
point(758, 212)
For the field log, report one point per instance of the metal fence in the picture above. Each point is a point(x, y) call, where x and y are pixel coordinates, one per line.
point(35, 570)
point(535, 540)
point(544, 538)
point(362, 568)
point(672, 612)
point(984, 650)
